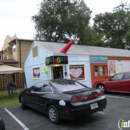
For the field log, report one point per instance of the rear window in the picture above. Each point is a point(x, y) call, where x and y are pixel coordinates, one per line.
point(67, 86)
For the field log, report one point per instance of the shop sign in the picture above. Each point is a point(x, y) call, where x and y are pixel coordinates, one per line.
point(98, 59)
point(56, 60)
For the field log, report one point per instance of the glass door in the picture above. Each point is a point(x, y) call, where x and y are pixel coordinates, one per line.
point(57, 72)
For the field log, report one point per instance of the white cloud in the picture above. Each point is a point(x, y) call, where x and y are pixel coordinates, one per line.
point(15, 18)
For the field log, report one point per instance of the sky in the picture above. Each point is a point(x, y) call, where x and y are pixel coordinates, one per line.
point(15, 15)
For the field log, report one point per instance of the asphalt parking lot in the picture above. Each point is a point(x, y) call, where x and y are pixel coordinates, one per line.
point(118, 107)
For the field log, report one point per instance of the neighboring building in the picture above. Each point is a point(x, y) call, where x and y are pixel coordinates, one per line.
point(1, 53)
point(14, 51)
point(84, 63)
point(13, 54)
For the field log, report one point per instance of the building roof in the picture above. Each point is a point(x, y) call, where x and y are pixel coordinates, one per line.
point(83, 50)
point(9, 40)
point(8, 61)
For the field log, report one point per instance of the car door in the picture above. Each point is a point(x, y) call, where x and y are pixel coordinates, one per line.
point(115, 83)
point(28, 96)
point(126, 83)
point(42, 98)
point(34, 92)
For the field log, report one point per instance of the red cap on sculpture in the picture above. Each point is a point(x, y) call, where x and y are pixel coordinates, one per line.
point(66, 47)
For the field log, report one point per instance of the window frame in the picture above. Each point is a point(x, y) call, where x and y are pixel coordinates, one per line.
point(125, 76)
point(50, 89)
point(33, 73)
point(38, 92)
point(76, 66)
point(35, 51)
point(113, 77)
point(97, 73)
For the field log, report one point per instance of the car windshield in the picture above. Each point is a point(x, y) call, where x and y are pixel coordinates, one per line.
point(67, 86)
point(117, 76)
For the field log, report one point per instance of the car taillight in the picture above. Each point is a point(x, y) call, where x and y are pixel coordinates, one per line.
point(101, 92)
point(74, 99)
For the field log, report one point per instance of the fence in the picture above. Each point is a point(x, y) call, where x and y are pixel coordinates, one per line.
point(18, 78)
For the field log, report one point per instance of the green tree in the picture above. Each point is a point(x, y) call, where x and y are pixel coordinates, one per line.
point(91, 37)
point(60, 20)
point(114, 27)
point(127, 39)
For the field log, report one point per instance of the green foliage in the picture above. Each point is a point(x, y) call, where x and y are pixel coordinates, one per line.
point(114, 27)
point(91, 37)
point(127, 39)
point(60, 20)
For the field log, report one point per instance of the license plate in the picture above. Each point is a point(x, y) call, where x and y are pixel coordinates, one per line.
point(94, 105)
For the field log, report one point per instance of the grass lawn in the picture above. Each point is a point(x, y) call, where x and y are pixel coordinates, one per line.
point(7, 100)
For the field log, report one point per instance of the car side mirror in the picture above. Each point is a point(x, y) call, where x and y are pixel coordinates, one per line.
point(111, 79)
point(28, 89)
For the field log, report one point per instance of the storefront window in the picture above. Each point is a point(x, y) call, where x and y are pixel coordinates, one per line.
point(77, 72)
point(36, 72)
point(100, 70)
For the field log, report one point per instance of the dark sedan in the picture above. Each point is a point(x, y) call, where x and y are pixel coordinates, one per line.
point(119, 82)
point(63, 98)
point(2, 125)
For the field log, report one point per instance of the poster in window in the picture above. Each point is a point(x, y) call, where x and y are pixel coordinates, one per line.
point(111, 67)
point(36, 72)
point(119, 68)
point(76, 71)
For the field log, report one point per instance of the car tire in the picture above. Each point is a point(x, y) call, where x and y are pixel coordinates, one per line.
point(23, 104)
point(2, 125)
point(53, 114)
point(102, 87)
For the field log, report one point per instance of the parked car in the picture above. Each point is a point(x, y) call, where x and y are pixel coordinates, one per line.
point(119, 82)
point(2, 125)
point(63, 98)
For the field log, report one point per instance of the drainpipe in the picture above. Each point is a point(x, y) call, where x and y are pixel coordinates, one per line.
point(20, 54)
point(24, 77)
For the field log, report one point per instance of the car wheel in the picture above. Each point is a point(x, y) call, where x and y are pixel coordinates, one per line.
point(53, 114)
point(2, 125)
point(102, 87)
point(23, 104)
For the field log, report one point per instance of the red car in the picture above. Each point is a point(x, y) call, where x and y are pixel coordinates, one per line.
point(118, 83)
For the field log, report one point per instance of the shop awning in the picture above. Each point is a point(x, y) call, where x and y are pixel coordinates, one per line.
point(5, 69)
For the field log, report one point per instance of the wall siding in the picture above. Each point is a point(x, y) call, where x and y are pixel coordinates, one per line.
point(31, 62)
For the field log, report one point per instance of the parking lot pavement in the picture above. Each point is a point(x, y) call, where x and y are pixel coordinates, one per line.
point(10, 123)
point(117, 107)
